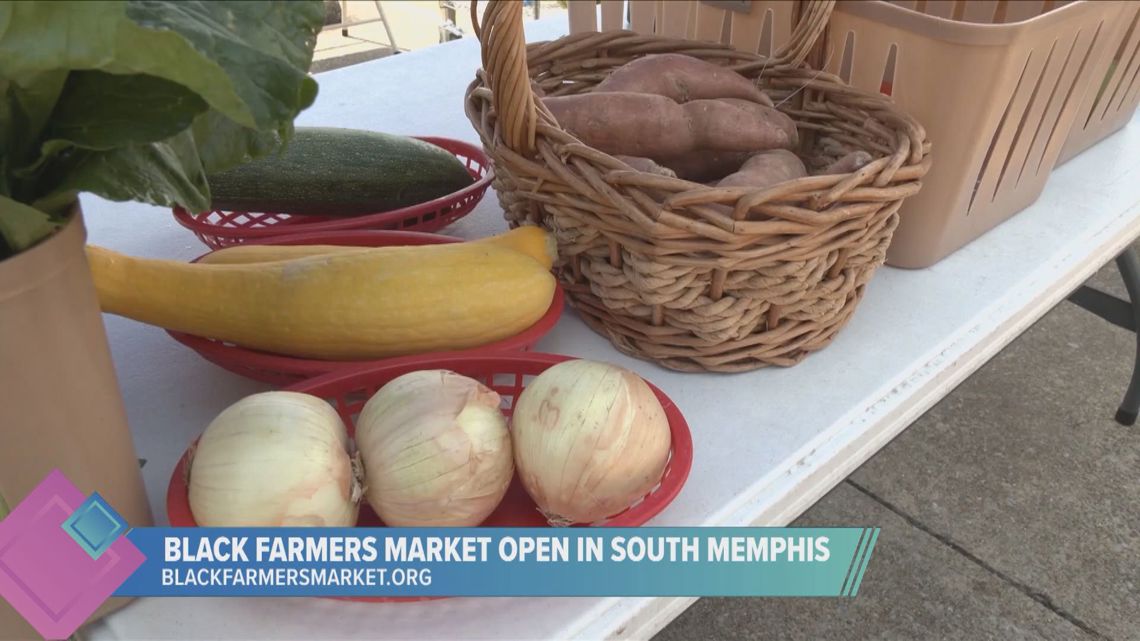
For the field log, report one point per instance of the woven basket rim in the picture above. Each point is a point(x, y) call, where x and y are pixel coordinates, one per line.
point(907, 163)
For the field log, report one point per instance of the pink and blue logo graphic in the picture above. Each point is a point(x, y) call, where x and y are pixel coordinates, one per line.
point(62, 555)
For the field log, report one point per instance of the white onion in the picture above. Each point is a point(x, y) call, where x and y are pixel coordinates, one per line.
point(590, 439)
point(436, 450)
point(275, 459)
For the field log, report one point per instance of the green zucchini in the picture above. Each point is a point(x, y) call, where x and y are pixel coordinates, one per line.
point(340, 172)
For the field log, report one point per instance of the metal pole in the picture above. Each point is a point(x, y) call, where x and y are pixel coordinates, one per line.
point(387, 27)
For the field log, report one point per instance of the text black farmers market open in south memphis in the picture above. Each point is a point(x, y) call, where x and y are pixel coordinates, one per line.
point(476, 549)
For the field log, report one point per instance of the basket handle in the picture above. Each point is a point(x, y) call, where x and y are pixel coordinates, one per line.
point(503, 48)
point(809, 29)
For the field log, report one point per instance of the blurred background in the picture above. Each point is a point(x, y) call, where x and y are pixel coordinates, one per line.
point(360, 30)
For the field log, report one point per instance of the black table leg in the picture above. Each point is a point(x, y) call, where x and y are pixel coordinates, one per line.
point(1130, 271)
point(1122, 313)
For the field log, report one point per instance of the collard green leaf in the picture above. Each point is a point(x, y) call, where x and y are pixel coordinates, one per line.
point(24, 109)
point(246, 59)
point(165, 173)
point(38, 37)
point(260, 52)
point(53, 151)
point(222, 143)
point(103, 112)
point(134, 100)
point(56, 204)
point(22, 226)
point(98, 110)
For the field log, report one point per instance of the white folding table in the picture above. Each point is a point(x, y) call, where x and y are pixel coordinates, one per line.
point(768, 443)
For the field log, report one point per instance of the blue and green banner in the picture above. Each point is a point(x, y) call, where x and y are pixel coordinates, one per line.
point(64, 552)
point(412, 562)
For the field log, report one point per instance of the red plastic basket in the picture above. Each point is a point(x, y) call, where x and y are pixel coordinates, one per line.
point(221, 228)
point(507, 374)
point(280, 370)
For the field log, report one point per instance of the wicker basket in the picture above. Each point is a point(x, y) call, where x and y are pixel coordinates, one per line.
point(692, 277)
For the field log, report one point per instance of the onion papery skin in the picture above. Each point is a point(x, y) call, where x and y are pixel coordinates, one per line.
point(590, 439)
point(436, 450)
point(275, 459)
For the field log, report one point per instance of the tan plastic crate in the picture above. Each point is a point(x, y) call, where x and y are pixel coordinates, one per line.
point(755, 26)
point(997, 84)
point(1109, 104)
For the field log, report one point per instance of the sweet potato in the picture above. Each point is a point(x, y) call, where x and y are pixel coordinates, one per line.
point(652, 126)
point(849, 163)
point(739, 125)
point(682, 78)
point(646, 165)
point(630, 124)
point(766, 169)
point(704, 165)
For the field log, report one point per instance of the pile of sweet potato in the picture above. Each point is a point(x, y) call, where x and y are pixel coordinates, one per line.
point(676, 115)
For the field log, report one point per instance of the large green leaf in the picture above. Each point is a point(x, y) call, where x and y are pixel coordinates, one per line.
point(222, 143)
point(21, 226)
point(98, 110)
point(263, 48)
point(37, 37)
point(135, 100)
point(246, 59)
point(102, 111)
point(24, 109)
point(165, 173)
point(26, 106)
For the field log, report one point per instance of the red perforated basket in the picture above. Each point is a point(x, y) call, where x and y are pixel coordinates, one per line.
point(224, 228)
point(280, 370)
point(508, 374)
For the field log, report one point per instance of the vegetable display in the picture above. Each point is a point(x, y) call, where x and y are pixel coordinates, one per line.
point(590, 439)
point(437, 450)
point(275, 459)
point(340, 172)
point(348, 306)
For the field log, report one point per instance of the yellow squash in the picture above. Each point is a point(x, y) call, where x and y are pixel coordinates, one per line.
point(348, 306)
point(530, 240)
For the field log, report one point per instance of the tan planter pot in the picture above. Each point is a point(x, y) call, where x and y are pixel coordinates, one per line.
point(61, 403)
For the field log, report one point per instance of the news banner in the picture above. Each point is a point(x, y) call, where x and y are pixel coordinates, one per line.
point(413, 562)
